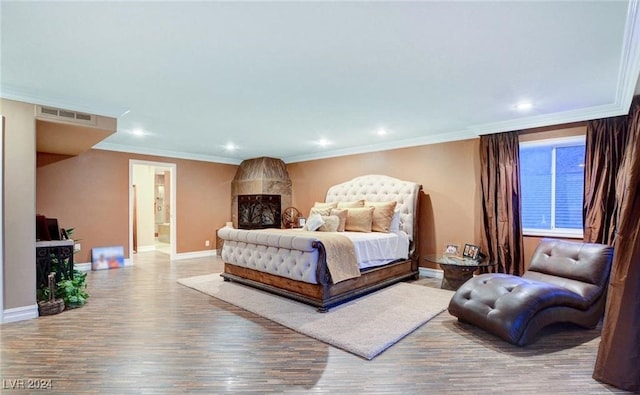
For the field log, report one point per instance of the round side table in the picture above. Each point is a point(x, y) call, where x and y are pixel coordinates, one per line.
point(456, 271)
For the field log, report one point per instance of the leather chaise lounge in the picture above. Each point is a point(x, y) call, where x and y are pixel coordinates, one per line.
point(565, 282)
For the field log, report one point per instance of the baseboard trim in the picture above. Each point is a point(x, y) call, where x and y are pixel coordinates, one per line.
point(82, 267)
point(195, 254)
point(146, 248)
point(20, 314)
point(86, 267)
point(428, 272)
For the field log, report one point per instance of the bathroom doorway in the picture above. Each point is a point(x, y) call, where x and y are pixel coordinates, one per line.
point(152, 207)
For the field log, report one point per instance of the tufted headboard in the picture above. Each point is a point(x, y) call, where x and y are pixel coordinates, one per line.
point(379, 188)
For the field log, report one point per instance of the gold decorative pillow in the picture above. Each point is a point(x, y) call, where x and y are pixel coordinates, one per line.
point(319, 211)
point(342, 215)
point(382, 215)
point(331, 223)
point(325, 205)
point(355, 203)
point(359, 219)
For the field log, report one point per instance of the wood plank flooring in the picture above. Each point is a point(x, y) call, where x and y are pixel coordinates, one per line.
point(142, 333)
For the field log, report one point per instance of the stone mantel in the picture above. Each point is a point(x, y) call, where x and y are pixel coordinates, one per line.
point(263, 175)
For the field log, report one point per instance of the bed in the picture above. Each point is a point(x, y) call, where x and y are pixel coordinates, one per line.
point(301, 264)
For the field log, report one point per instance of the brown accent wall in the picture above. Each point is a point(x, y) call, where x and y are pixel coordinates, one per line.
point(91, 193)
point(449, 174)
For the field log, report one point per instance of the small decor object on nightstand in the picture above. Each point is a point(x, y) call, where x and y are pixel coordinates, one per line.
point(452, 250)
point(471, 251)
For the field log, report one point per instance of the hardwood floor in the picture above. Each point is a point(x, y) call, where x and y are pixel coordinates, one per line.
point(143, 333)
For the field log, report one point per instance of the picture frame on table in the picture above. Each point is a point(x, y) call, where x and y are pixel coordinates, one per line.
point(471, 251)
point(452, 250)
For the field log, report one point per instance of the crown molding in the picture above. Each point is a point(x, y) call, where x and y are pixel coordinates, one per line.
point(166, 153)
point(630, 58)
point(558, 118)
point(364, 149)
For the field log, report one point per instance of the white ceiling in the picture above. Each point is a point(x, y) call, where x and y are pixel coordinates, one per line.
point(275, 77)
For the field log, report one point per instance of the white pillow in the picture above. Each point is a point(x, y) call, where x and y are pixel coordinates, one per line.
point(395, 221)
point(331, 223)
point(314, 222)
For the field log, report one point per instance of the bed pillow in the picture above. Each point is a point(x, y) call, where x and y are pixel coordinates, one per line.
point(325, 205)
point(314, 222)
point(382, 215)
point(330, 224)
point(359, 219)
point(319, 211)
point(395, 222)
point(354, 203)
point(342, 215)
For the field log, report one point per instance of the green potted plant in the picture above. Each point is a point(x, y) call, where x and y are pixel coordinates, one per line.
point(72, 290)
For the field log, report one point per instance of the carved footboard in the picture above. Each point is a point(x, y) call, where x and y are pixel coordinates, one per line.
point(249, 254)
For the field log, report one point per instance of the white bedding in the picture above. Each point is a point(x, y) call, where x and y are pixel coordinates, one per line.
point(286, 254)
point(377, 249)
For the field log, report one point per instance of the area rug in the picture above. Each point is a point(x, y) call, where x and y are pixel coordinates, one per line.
point(365, 327)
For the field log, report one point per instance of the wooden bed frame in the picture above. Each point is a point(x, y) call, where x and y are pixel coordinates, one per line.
point(325, 294)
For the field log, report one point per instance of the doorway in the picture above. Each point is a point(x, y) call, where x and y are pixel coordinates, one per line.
point(152, 192)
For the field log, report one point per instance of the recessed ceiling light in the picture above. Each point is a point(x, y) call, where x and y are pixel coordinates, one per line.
point(230, 147)
point(138, 132)
point(381, 132)
point(323, 142)
point(524, 106)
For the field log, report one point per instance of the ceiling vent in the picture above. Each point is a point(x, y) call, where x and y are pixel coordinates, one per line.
point(66, 115)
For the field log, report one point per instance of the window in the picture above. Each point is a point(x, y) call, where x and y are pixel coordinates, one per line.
point(552, 186)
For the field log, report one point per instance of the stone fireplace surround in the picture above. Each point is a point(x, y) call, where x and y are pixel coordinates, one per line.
point(260, 176)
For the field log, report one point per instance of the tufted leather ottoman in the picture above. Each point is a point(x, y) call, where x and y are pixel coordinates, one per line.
point(566, 282)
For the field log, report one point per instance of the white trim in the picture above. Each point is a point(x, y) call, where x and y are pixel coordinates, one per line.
point(82, 267)
point(566, 233)
point(86, 267)
point(630, 62)
point(2, 317)
point(173, 171)
point(554, 143)
point(194, 254)
point(428, 272)
point(146, 248)
point(568, 141)
point(165, 153)
point(363, 149)
point(20, 314)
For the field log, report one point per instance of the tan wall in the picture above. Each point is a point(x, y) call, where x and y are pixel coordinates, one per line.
point(19, 204)
point(90, 192)
point(448, 172)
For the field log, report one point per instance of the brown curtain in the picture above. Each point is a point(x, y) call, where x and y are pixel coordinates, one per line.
point(605, 147)
point(618, 361)
point(500, 183)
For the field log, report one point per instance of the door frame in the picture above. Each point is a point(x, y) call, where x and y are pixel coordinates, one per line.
point(2, 221)
point(172, 202)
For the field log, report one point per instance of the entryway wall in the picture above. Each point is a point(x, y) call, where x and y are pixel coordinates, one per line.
point(152, 206)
